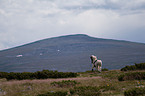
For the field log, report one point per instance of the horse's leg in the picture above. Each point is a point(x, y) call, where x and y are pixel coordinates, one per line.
point(101, 67)
point(92, 67)
point(98, 68)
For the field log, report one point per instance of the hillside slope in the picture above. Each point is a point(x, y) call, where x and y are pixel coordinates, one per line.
point(71, 53)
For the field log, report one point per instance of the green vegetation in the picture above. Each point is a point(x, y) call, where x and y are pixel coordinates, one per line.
point(135, 92)
point(85, 91)
point(132, 76)
point(59, 93)
point(87, 83)
point(64, 83)
point(91, 90)
point(140, 66)
point(105, 69)
point(36, 75)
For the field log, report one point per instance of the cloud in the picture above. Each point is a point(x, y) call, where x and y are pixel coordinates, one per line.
point(24, 21)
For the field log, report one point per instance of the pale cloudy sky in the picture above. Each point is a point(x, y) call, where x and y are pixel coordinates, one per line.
point(24, 21)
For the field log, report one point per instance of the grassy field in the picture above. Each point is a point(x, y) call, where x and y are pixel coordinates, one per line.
point(106, 81)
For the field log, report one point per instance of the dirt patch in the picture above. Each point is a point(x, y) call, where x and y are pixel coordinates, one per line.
point(48, 80)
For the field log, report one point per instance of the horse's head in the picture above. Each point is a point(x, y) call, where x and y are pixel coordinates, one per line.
point(93, 58)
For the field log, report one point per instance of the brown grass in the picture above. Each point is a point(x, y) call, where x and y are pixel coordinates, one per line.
point(35, 87)
point(29, 87)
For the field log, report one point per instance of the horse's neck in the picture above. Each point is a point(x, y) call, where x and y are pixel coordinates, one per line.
point(94, 59)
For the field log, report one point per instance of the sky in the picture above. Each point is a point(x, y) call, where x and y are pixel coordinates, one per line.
point(25, 21)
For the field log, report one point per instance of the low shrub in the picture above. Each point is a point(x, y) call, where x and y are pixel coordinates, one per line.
point(64, 83)
point(36, 75)
point(85, 91)
point(3, 74)
point(105, 69)
point(135, 92)
point(58, 93)
point(19, 76)
point(140, 66)
point(132, 76)
point(88, 71)
point(53, 74)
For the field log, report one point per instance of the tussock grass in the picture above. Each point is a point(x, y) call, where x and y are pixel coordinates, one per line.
point(64, 83)
point(107, 82)
point(135, 92)
point(132, 76)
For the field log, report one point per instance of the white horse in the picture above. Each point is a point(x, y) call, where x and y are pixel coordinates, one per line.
point(96, 63)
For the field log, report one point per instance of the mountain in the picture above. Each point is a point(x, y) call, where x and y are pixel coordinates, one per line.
point(71, 53)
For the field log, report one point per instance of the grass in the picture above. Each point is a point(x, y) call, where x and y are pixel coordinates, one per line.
point(64, 83)
point(106, 81)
